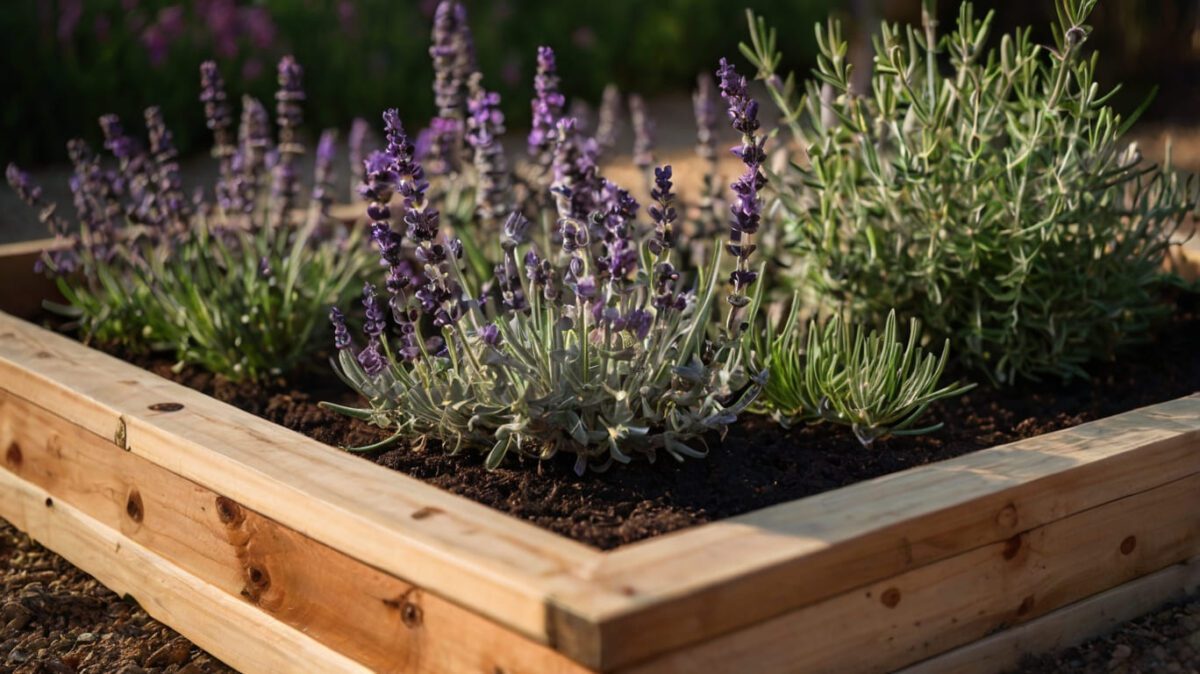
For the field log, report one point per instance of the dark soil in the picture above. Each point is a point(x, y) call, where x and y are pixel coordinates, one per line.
point(55, 619)
point(1167, 640)
point(758, 464)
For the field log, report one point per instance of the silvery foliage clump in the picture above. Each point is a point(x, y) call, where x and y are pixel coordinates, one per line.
point(840, 373)
point(237, 284)
point(985, 190)
point(580, 336)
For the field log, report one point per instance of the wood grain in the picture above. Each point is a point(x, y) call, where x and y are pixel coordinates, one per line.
point(232, 630)
point(374, 618)
point(940, 606)
point(474, 556)
point(1067, 626)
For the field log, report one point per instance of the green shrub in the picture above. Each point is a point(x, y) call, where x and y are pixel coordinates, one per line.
point(985, 191)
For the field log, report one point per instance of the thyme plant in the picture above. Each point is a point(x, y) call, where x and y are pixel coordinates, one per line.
point(986, 190)
point(237, 284)
point(583, 339)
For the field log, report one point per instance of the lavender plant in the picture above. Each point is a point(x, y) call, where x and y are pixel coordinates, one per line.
point(584, 342)
point(986, 191)
point(238, 285)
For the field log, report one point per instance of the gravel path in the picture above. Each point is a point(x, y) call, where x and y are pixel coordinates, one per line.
point(56, 619)
point(1166, 641)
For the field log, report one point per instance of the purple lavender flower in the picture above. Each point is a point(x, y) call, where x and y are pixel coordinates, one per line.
point(323, 176)
point(746, 208)
point(705, 110)
point(165, 170)
point(216, 108)
point(59, 260)
point(96, 201)
point(453, 53)
point(133, 167)
point(576, 173)
point(493, 195)
point(341, 336)
point(663, 242)
point(547, 106)
point(490, 334)
point(371, 357)
point(289, 115)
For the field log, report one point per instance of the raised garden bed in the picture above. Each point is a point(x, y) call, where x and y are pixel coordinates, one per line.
point(277, 553)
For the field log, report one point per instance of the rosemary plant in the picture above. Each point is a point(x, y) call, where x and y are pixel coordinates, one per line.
point(985, 190)
point(238, 285)
point(582, 339)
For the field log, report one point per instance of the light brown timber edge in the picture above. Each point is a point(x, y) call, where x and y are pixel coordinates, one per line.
point(697, 595)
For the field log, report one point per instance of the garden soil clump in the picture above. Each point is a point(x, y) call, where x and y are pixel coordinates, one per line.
point(56, 619)
point(756, 465)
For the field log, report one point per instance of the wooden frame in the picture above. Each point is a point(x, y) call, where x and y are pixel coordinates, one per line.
point(278, 553)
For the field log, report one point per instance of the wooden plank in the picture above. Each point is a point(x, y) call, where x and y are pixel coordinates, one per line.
point(376, 619)
point(1067, 626)
point(940, 606)
point(486, 561)
point(693, 585)
point(231, 630)
point(21, 290)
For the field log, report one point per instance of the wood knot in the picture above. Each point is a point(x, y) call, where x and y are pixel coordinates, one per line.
point(1128, 544)
point(49, 502)
point(1026, 606)
point(13, 456)
point(43, 355)
point(166, 407)
point(427, 511)
point(410, 610)
point(1012, 546)
point(257, 583)
point(133, 506)
point(1007, 517)
point(890, 597)
point(229, 512)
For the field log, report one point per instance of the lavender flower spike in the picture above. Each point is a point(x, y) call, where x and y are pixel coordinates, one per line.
point(371, 357)
point(746, 208)
point(547, 107)
point(323, 175)
point(356, 141)
point(341, 336)
point(493, 198)
point(175, 205)
point(609, 119)
point(643, 133)
point(59, 261)
point(289, 114)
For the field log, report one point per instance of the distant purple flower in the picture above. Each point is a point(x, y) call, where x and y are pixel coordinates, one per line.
point(289, 114)
point(356, 142)
point(216, 108)
point(133, 166)
point(746, 207)
point(576, 172)
point(609, 119)
point(341, 336)
point(485, 126)
point(323, 175)
point(69, 14)
point(59, 261)
point(643, 133)
point(705, 110)
point(547, 107)
point(258, 25)
point(165, 171)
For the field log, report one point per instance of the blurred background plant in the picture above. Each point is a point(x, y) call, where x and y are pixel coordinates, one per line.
point(107, 55)
point(68, 61)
